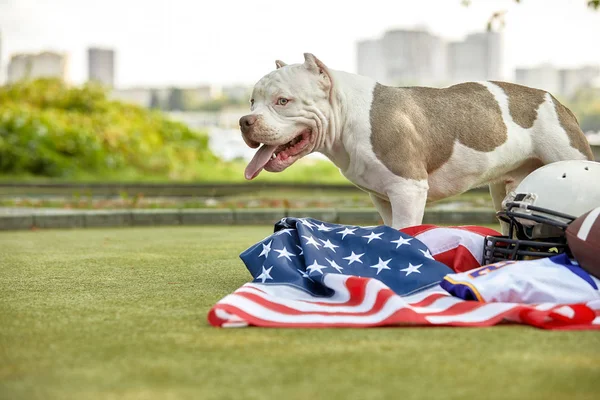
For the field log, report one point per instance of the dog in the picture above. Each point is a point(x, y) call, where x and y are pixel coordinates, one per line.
point(407, 146)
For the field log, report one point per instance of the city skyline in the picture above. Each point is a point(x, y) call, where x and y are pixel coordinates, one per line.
point(181, 43)
point(416, 57)
point(399, 57)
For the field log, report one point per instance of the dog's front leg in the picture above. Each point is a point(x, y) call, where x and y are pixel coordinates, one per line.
point(384, 208)
point(408, 199)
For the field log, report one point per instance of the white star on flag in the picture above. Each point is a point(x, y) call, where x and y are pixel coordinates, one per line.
point(304, 274)
point(427, 254)
point(354, 257)
point(266, 249)
point(301, 250)
point(266, 274)
point(315, 267)
point(373, 235)
point(346, 231)
point(334, 265)
point(311, 240)
point(284, 253)
point(411, 268)
point(328, 245)
point(381, 265)
point(323, 228)
point(306, 223)
point(281, 232)
point(401, 241)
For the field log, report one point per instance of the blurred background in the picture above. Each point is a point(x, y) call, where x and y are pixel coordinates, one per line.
point(98, 98)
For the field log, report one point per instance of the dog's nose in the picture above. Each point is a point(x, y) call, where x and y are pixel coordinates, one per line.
point(246, 122)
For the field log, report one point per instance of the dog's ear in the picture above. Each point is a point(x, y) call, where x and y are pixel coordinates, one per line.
point(313, 64)
point(316, 66)
point(279, 64)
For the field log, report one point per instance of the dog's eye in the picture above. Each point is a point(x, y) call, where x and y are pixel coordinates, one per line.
point(282, 101)
point(251, 102)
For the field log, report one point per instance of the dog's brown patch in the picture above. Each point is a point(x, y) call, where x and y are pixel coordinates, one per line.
point(523, 102)
point(414, 129)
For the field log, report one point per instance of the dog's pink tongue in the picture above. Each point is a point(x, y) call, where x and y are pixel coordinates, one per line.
point(258, 162)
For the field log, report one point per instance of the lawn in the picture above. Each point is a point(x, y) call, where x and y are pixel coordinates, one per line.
point(121, 314)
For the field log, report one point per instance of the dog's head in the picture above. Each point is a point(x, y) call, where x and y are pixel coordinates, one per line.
point(289, 115)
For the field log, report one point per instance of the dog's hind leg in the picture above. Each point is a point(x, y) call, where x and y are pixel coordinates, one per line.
point(510, 182)
point(498, 192)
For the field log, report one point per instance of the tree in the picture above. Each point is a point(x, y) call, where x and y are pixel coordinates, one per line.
point(498, 16)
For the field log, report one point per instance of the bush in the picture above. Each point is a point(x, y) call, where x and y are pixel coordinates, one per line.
point(50, 129)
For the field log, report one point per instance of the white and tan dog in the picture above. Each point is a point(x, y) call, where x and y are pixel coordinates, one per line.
point(411, 145)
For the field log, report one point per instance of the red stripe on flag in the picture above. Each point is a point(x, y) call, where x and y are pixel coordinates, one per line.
point(429, 299)
point(582, 317)
point(381, 299)
point(357, 288)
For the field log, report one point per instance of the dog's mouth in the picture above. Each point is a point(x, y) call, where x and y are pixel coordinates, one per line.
point(276, 158)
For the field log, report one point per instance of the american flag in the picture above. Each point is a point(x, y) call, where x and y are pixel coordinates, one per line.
point(310, 273)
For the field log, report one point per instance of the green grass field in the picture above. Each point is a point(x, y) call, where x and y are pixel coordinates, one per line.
point(121, 314)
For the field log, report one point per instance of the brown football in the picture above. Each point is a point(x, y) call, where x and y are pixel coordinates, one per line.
point(583, 238)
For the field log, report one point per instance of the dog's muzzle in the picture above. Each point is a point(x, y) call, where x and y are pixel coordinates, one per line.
point(246, 123)
point(247, 126)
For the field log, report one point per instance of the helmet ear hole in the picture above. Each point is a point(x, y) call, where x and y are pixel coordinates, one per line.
point(564, 175)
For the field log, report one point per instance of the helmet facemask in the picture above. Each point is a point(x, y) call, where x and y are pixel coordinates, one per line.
point(534, 232)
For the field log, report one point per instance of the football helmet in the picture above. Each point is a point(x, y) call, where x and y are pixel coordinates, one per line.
point(541, 207)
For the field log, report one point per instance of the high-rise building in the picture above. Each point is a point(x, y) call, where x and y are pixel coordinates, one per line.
point(31, 66)
point(477, 58)
point(545, 77)
point(370, 60)
point(417, 57)
point(571, 80)
point(18, 67)
point(413, 57)
point(101, 66)
point(403, 57)
point(564, 82)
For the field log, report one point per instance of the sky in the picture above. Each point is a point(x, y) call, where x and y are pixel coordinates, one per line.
point(177, 42)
